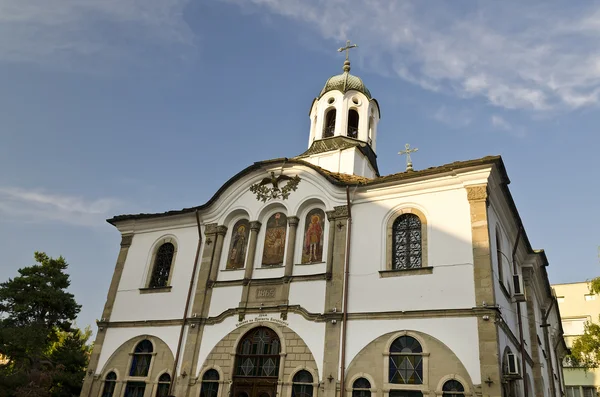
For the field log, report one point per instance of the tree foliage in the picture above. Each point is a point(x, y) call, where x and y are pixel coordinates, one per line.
point(45, 355)
point(585, 350)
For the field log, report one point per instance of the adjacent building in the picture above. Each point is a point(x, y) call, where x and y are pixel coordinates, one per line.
point(578, 306)
point(316, 276)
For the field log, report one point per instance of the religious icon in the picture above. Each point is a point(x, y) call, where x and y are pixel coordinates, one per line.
point(313, 236)
point(239, 243)
point(275, 240)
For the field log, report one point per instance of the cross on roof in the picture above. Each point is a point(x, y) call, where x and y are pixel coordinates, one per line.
point(347, 48)
point(407, 151)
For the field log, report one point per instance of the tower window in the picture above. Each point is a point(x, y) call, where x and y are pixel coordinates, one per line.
point(353, 123)
point(329, 128)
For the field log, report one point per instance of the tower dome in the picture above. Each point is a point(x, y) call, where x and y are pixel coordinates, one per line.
point(345, 82)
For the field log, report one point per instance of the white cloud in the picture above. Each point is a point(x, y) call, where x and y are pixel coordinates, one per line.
point(57, 32)
point(517, 55)
point(452, 117)
point(500, 123)
point(38, 205)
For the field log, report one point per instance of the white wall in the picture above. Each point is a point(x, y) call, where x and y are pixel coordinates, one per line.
point(130, 304)
point(459, 334)
point(115, 337)
point(450, 253)
point(308, 294)
point(224, 298)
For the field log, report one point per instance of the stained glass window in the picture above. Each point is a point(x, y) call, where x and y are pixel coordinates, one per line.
point(406, 361)
point(406, 242)
point(164, 383)
point(302, 384)
point(162, 266)
point(361, 388)
point(453, 388)
point(210, 384)
point(258, 354)
point(142, 355)
point(110, 381)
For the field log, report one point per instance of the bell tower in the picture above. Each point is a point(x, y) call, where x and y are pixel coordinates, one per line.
point(343, 126)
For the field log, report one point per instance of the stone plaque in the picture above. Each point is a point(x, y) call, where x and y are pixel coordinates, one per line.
point(265, 293)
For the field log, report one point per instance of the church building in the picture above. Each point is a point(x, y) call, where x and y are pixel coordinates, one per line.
point(315, 276)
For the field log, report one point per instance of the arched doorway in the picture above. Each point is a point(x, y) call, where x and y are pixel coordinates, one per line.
point(257, 364)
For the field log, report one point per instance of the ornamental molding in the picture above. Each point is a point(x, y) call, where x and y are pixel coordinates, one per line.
point(265, 193)
point(338, 212)
point(255, 226)
point(211, 228)
point(477, 192)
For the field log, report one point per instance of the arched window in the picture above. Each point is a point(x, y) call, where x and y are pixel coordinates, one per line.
point(110, 381)
point(164, 383)
point(329, 126)
point(361, 388)
point(453, 388)
point(499, 255)
point(210, 384)
point(406, 361)
point(406, 242)
point(302, 384)
point(352, 123)
point(258, 354)
point(142, 356)
point(162, 266)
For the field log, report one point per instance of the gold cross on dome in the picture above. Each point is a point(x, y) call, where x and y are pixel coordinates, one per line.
point(407, 151)
point(347, 48)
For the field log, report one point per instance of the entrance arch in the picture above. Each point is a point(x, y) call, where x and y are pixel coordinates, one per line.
point(257, 361)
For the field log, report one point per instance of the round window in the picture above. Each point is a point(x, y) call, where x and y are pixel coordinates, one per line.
point(331, 100)
point(355, 100)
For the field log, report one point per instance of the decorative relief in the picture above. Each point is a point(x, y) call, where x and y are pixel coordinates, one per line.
point(264, 193)
point(338, 212)
point(476, 192)
point(222, 230)
point(211, 228)
point(255, 226)
point(265, 293)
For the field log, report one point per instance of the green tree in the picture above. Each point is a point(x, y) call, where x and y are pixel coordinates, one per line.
point(35, 311)
point(585, 351)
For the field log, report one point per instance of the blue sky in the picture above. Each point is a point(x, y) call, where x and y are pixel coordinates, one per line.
point(121, 106)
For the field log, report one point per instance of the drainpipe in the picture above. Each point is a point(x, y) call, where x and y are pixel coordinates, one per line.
point(519, 318)
point(345, 289)
point(187, 307)
point(549, 349)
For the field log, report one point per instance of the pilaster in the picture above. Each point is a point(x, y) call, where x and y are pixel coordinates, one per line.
point(538, 384)
point(252, 242)
point(489, 351)
point(90, 379)
point(336, 259)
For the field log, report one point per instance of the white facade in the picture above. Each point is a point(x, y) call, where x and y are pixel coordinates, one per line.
point(337, 331)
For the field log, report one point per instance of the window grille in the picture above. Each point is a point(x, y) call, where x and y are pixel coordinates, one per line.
point(162, 266)
point(406, 361)
point(407, 242)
